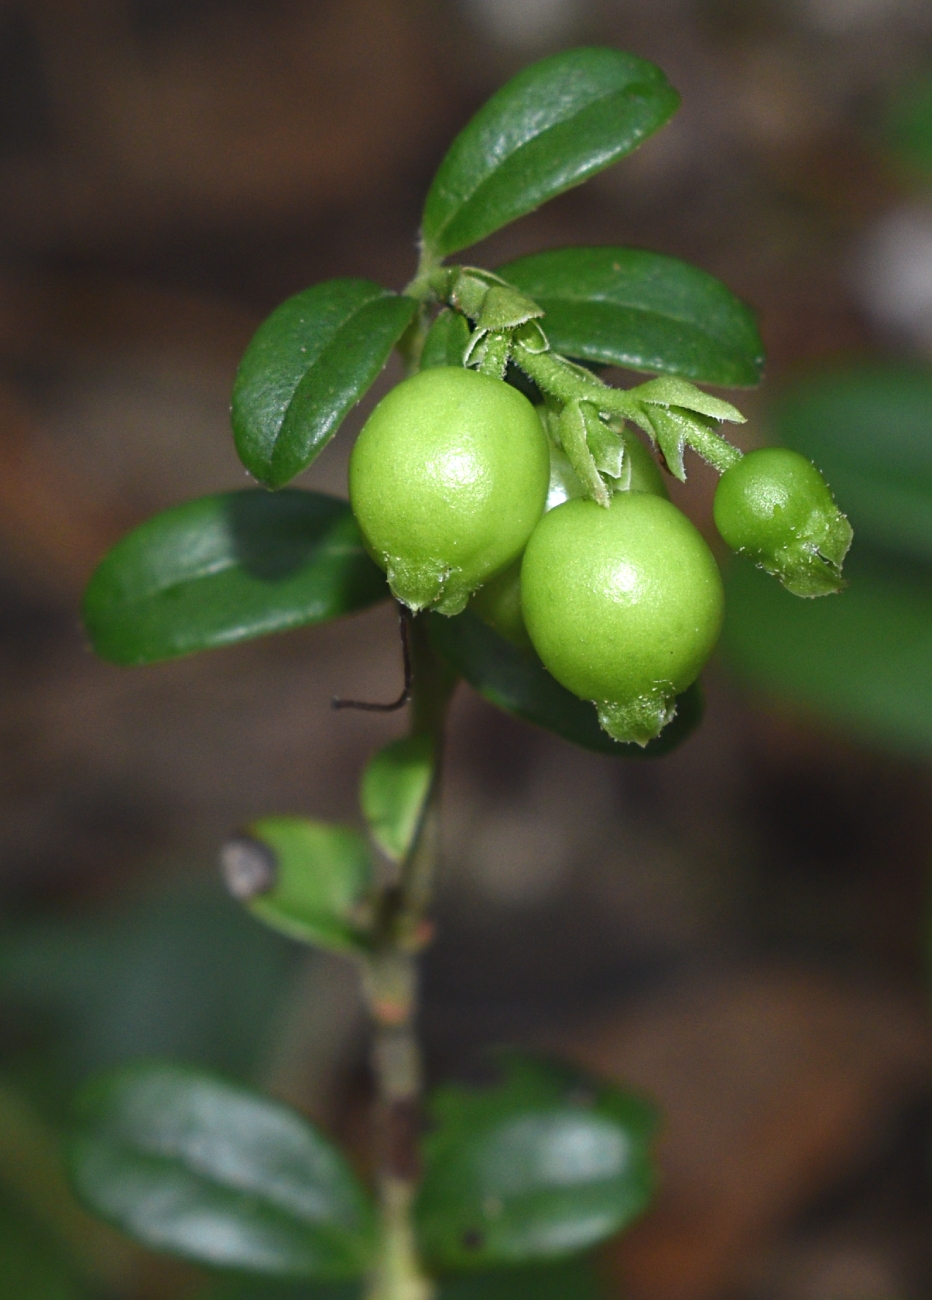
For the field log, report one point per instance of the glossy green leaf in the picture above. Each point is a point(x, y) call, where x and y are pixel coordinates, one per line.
point(394, 790)
point(515, 681)
point(862, 658)
point(303, 878)
point(544, 1163)
point(228, 568)
point(187, 1163)
point(571, 1279)
point(446, 342)
point(306, 368)
point(644, 311)
point(551, 127)
point(869, 430)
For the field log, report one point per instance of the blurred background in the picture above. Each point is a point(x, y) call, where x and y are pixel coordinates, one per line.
point(740, 929)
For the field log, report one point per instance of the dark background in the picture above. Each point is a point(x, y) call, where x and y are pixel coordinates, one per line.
point(740, 928)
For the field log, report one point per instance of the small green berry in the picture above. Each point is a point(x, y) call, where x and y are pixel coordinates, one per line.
point(776, 508)
point(447, 480)
point(623, 605)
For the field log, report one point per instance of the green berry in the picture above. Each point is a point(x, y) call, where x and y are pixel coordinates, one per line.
point(623, 605)
point(775, 507)
point(447, 480)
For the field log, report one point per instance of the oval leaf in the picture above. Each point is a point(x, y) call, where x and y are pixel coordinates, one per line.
point(187, 1163)
point(869, 430)
point(644, 311)
point(545, 1163)
point(551, 127)
point(394, 790)
point(514, 681)
point(306, 367)
point(303, 878)
point(862, 657)
point(227, 568)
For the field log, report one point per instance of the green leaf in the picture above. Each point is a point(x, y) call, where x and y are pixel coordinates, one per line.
point(861, 658)
point(572, 1279)
point(543, 1164)
point(32, 1266)
point(303, 878)
point(228, 568)
point(187, 1163)
point(305, 369)
point(644, 311)
point(551, 127)
point(446, 342)
point(394, 790)
point(518, 683)
point(869, 430)
point(173, 969)
point(908, 124)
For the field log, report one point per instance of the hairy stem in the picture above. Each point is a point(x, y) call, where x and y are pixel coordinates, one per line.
point(390, 983)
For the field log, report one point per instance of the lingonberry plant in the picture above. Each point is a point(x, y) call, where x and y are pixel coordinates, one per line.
point(503, 495)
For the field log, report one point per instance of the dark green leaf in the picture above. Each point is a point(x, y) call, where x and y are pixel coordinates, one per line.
point(869, 430)
point(227, 568)
point(446, 341)
point(394, 789)
point(545, 1163)
point(303, 878)
point(626, 307)
point(573, 1279)
point(187, 1163)
point(306, 367)
point(552, 127)
point(862, 658)
point(519, 684)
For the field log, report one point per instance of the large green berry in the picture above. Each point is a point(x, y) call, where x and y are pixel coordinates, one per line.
point(447, 480)
point(775, 507)
point(623, 605)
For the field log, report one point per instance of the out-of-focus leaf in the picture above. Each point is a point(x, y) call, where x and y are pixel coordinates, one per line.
point(446, 342)
point(304, 878)
point(515, 681)
point(228, 568)
point(644, 311)
point(31, 1264)
point(39, 1213)
point(179, 970)
point(869, 430)
point(573, 1279)
point(394, 789)
point(545, 1163)
point(306, 367)
point(187, 1163)
point(862, 657)
point(908, 125)
point(551, 127)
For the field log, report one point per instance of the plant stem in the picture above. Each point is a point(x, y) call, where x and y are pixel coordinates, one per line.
point(390, 983)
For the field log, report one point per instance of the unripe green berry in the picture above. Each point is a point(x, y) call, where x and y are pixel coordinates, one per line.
point(623, 605)
point(447, 480)
point(776, 508)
